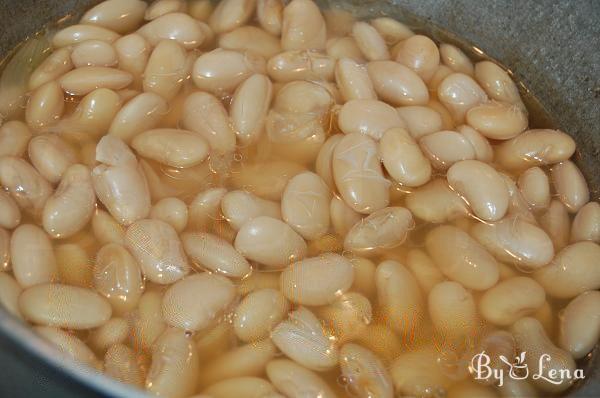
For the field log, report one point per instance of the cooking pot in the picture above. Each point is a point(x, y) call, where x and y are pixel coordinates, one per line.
point(552, 47)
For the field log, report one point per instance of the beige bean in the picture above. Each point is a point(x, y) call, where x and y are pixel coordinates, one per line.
point(10, 214)
point(121, 363)
point(122, 16)
point(64, 306)
point(215, 254)
point(296, 381)
point(79, 33)
point(323, 163)
point(140, 114)
point(51, 156)
point(172, 147)
point(304, 205)
point(298, 97)
point(118, 277)
point(94, 53)
point(173, 211)
point(397, 84)
point(579, 327)
point(511, 300)
point(251, 38)
point(238, 207)
point(424, 269)
point(517, 206)
point(370, 42)
point(195, 302)
point(9, 294)
point(242, 361)
point(497, 83)
point(496, 344)
point(222, 70)
point(424, 365)
point(133, 52)
point(420, 54)
point(317, 280)
point(452, 310)
point(436, 202)
point(498, 120)
point(517, 241)
point(532, 339)
point(4, 250)
point(250, 387)
point(45, 106)
point(200, 9)
point(420, 120)
point(461, 258)
point(258, 313)
point(159, 8)
point(555, 221)
point(175, 365)
point(269, 14)
point(69, 346)
point(146, 321)
point(53, 67)
point(370, 117)
point(343, 217)
point(481, 186)
point(570, 185)
point(14, 137)
point(158, 250)
point(403, 159)
point(445, 148)
point(204, 114)
point(534, 148)
point(365, 373)
point(295, 137)
point(303, 339)
point(344, 47)
point(32, 256)
point(353, 80)
point(455, 59)
point(75, 264)
point(72, 206)
point(166, 70)
point(358, 175)
point(572, 272)
point(115, 331)
point(270, 241)
point(259, 280)
point(586, 224)
point(92, 116)
point(303, 26)
point(481, 145)
point(82, 81)
point(249, 107)
point(399, 297)
point(301, 65)
point(347, 317)
point(178, 27)
point(230, 14)
point(268, 179)
point(106, 229)
point(391, 30)
point(383, 229)
point(535, 187)
point(459, 93)
point(205, 208)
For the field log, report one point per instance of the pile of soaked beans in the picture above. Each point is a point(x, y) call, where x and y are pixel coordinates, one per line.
point(257, 199)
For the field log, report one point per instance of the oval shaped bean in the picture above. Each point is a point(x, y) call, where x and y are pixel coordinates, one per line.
point(534, 185)
point(397, 84)
point(269, 14)
point(370, 117)
point(159, 8)
point(572, 272)
point(93, 115)
point(382, 229)
point(249, 107)
point(445, 148)
point(579, 327)
point(270, 241)
point(173, 211)
point(119, 15)
point(534, 148)
point(514, 240)
point(231, 14)
point(370, 42)
point(106, 229)
point(421, 54)
point(452, 310)
point(133, 52)
point(82, 81)
point(511, 299)
point(304, 205)
point(365, 373)
point(54, 66)
point(531, 338)
point(344, 47)
point(205, 208)
point(45, 106)
point(423, 364)
point(570, 185)
point(461, 258)
point(296, 381)
point(94, 53)
point(496, 344)
point(74, 261)
point(343, 217)
point(176, 26)
point(436, 202)
point(555, 222)
point(115, 331)
point(139, 114)
point(183, 307)
point(420, 120)
point(215, 254)
point(459, 93)
point(118, 277)
point(121, 363)
point(251, 38)
point(258, 313)
point(69, 346)
point(146, 321)
point(32, 256)
point(166, 69)
point(303, 339)
point(303, 26)
point(10, 290)
point(497, 120)
point(481, 145)
point(317, 280)
point(586, 224)
point(497, 83)
point(481, 186)
point(64, 306)
point(358, 175)
point(158, 250)
point(423, 268)
point(51, 156)
point(175, 365)
point(79, 33)
point(10, 214)
point(391, 30)
point(455, 59)
point(238, 207)
point(301, 65)
point(324, 161)
point(353, 80)
point(72, 206)
point(348, 316)
point(172, 147)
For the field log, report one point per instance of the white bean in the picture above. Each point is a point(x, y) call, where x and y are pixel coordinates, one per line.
point(258, 313)
point(146, 321)
point(420, 120)
point(32, 256)
point(459, 93)
point(54, 66)
point(94, 53)
point(424, 365)
point(370, 117)
point(51, 156)
point(421, 54)
point(230, 14)
point(238, 207)
point(452, 310)
point(121, 16)
point(436, 202)
point(79, 33)
point(397, 84)
point(46, 105)
point(496, 82)
point(301, 65)
point(121, 363)
point(534, 185)
point(303, 26)
point(424, 269)
point(10, 214)
point(555, 222)
point(249, 107)
point(141, 113)
point(84, 80)
point(347, 317)
point(365, 373)
point(481, 145)
point(497, 120)
point(570, 185)
point(166, 69)
point(158, 8)
point(382, 229)
point(353, 80)
point(455, 59)
point(172, 147)
point(177, 26)
point(115, 331)
point(69, 346)
point(586, 224)
point(215, 254)
point(445, 148)
point(579, 327)
point(133, 52)
point(391, 30)
point(296, 381)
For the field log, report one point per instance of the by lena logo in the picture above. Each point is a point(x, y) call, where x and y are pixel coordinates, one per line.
point(518, 369)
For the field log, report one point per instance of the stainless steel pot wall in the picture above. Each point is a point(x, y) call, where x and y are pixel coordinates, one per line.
point(552, 46)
